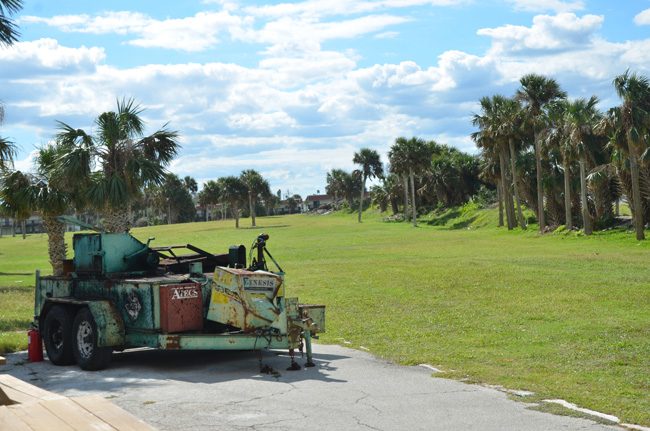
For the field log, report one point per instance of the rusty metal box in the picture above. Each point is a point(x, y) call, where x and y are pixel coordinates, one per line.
point(181, 308)
point(316, 313)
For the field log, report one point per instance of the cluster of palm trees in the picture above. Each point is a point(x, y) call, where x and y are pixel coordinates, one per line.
point(563, 158)
point(106, 171)
point(420, 174)
point(235, 192)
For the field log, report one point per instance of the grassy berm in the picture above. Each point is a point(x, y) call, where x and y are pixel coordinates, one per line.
point(562, 315)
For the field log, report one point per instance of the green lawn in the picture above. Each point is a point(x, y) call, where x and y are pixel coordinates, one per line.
point(562, 315)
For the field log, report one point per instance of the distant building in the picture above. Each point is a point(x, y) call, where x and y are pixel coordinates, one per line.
point(313, 202)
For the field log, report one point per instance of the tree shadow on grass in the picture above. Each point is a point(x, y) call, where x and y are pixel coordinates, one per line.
point(443, 219)
point(16, 273)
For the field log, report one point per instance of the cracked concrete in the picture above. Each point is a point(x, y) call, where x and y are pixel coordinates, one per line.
point(347, 390)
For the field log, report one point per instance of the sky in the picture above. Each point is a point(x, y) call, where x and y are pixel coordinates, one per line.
point(293, 89)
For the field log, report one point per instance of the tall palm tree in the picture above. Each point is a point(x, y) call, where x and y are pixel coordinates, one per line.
point(556, 136)
point(511, 124)
point(490, 135)
point(371, 167)
point(7, 148)
point(632, 120)
point(209, 196)
point(190, 185)
point(398, 160)
point(336, 183)
point(13, 201)
point(255, 185)
point(536, 92)
point(233, 193)
point(8, 30)
point(112, 167)
point(48, 195)
point(582, 117)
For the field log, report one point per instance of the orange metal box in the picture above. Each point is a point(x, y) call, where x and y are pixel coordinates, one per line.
point(181, 308)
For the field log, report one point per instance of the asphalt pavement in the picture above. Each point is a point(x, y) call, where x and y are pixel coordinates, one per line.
point(346, 390)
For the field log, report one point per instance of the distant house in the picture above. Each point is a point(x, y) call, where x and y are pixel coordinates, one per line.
point(284, 208)
point(313, 202)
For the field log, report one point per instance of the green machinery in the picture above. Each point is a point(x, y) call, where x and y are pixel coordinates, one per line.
point(120, 293)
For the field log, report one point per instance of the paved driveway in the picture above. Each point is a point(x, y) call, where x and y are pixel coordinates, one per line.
point(347, 390)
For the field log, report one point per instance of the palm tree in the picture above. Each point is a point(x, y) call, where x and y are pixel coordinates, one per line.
point(8, 30)
point(371, 167)
point(209, 196)
point(582, 117)
point(632, 120)
point(511, 124)
point(255, 185)
point(233, 193)
point(555, 136)
point(536, 92)
point(491, 137)
point(126, 161)
point(7, 148)
point(190, 185)
point(398, 160)
point(336, 183)
point(48, 195)
point(12, 197)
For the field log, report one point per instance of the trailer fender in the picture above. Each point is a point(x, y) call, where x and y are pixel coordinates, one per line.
point(109, 323)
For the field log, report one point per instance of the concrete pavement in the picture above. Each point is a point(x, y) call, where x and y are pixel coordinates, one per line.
point(347, 390)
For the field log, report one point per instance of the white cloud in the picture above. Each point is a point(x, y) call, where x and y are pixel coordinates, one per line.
point(387, 35)
point(301, 109)
point(558, 32)
point(194, 33)
point(642, 18)
point(320, 9)
point(47, 57)
point(548, 5)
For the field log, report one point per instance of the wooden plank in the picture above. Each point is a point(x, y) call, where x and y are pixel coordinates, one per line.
point(9, 421)
point(17, 385)
point(110, 413)
point(38, 418)
point(75, 416)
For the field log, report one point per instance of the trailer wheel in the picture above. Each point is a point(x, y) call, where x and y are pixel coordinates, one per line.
point(84, 341)
point(57, 335)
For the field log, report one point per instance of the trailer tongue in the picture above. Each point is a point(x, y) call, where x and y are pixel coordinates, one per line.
point(120, 293)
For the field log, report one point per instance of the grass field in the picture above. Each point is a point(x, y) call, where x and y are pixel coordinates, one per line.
point(562, 315)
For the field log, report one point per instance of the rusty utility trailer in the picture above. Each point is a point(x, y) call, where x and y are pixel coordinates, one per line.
point(120, 293)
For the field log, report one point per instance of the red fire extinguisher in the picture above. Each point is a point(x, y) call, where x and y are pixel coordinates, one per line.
point(34, 345)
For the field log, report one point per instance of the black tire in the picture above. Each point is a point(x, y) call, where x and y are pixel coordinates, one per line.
point(57, 335)
point(88, 355)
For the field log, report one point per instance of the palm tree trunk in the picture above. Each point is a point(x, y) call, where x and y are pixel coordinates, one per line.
point(568, 220)
point(393, 205)
point(515, 182)
point(13, 226)
point(252, 209)
point(618, 207)
point(540, 189)
point(415, 213)
point(586, 217)
point(500, 198)
point(406, 195)
point(636, 194)
point(23, 228)
point(116, 220)
point(363, 188)
point(235, 214)
point(56, 247)
point(507, 197)
point(169, 213)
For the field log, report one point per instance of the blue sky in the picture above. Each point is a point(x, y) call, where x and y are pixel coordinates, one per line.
point(292, 89)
